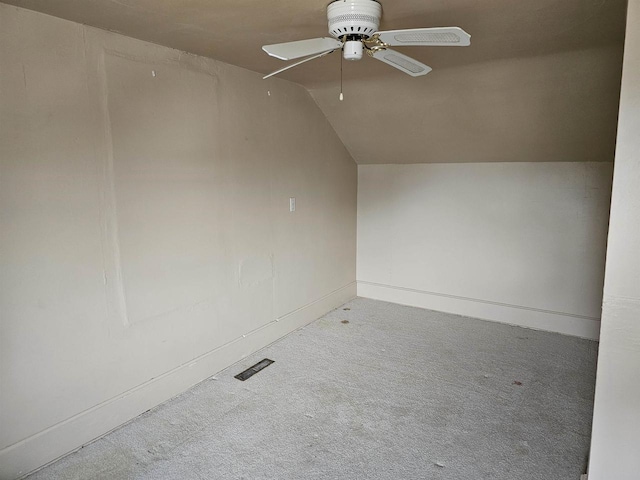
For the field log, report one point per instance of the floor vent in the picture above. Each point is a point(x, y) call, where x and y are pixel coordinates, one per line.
point(249, 372)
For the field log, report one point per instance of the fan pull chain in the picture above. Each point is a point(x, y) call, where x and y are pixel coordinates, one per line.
point(341, 60)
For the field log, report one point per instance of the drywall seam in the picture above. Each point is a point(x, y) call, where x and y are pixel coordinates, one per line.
point(102, 176)
point(175, 62)
point(537, 319)
point(35, 452)
point(109, 208)
point(324, 114)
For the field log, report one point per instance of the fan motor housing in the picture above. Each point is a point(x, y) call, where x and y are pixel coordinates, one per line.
point(354, 17)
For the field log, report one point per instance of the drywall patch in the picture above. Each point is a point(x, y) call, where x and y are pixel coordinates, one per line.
point(166, 194)
point(256, 270)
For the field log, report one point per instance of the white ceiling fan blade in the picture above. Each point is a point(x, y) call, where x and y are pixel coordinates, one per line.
point(299, 63)
point(434, 37)
point(403, 63)
point(302, 48)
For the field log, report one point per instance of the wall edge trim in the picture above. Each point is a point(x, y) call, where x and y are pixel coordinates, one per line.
point(528, 317)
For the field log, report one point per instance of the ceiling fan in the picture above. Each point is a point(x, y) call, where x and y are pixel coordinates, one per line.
point(353, 25)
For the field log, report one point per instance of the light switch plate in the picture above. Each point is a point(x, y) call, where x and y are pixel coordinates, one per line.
point(292, 204)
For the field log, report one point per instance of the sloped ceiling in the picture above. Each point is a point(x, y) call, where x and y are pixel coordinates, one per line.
point(540, 81)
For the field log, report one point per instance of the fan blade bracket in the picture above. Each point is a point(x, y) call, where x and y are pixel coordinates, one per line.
point(302, 48)
point(402, 62)
point(425, 37)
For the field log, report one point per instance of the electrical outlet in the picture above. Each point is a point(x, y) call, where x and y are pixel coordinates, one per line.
point(292, 204)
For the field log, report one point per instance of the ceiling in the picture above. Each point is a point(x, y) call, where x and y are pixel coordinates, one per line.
point(540, 81)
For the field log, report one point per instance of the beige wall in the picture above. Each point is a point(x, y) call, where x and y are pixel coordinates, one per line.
point(145, 234)
point(540, 81)
point(556, 107)
point(616, 423)
point(521, 243)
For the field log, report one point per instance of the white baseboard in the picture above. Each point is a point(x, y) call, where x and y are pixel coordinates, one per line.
point(65, 437)
point(568, 324)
